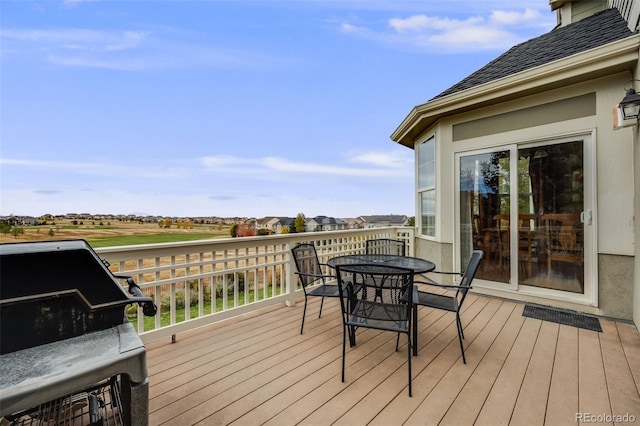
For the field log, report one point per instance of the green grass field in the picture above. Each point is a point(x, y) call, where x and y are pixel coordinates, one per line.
point(126, 240)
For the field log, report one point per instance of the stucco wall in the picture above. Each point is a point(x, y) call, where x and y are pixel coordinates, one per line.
point(438, 253)
point(616, 286)
point(636, 180)
point(636, 278)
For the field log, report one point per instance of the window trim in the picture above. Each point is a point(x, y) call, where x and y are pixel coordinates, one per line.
point(426, 189)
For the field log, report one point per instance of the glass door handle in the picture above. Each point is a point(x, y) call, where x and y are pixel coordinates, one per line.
point(585, 217)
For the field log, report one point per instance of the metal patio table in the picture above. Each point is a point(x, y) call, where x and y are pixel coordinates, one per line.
point(417, 265)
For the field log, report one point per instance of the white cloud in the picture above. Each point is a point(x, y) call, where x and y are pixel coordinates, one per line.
point(371, 164)
point(502, 17)
point(394, 159)
point(350, 28)
point(73, 3)
point(478, 37)
point(78, 38)
point(419, 23)
point(379, 165)
point(95, 169)
point(495, 30)
point(132, 50)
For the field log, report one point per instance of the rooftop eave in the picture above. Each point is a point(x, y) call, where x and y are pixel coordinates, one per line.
point(556, 4)
point(605, 60)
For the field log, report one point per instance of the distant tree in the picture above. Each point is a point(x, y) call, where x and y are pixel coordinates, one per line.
point(245, 231)
point(299, 222)
point(51, 232)
point(17, 230)
point(263, 231)
point(284, 230)
point(412, 221)
point(233, 230)
point(5, 228)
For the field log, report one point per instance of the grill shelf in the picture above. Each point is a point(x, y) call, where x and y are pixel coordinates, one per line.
point(99, 404)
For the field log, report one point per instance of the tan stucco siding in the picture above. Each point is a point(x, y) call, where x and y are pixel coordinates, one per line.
point(551, 112)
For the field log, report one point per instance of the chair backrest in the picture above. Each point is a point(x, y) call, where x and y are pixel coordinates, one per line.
point(563, 232)
point(307, 263)
point(371, 280)
point(503, 225)
point(385, 246)
point(527, 221)
point(469, 274)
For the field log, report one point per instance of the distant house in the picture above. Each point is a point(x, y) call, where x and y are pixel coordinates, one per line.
point(19, 220)
point(384, 220)
point(268, 223)
point(288, 222)
point(324, 223)
point(528, 160)
point(354, 223)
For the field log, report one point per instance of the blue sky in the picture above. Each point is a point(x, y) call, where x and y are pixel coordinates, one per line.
point(230, 108)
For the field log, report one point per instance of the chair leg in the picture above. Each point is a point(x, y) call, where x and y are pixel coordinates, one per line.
point(344, 347)
point(321, 303)
point(460, 337)
point(304, 313)
point(409, 361)
point(352, 336)
point(459, 325)
point(414, 326)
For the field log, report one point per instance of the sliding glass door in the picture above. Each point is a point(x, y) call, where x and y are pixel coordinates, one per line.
point(524, 206)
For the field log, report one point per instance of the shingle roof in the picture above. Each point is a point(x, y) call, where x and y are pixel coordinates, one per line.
point(381, 219)
point(597, 30)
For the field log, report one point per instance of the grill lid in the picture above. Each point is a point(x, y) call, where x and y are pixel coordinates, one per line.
point(55, 290)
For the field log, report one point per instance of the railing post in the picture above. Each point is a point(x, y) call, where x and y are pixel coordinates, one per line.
point(291, 277)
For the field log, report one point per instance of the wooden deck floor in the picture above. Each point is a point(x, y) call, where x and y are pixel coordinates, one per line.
point(258, 369)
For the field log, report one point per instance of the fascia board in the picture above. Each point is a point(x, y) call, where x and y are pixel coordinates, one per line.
point(608, 59)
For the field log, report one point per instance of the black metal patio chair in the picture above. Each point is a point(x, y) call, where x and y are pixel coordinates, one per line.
point(360, 311)
point(311, 272)
point(451, 302)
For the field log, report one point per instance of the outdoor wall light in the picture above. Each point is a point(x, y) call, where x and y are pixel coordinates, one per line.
point(630, 105)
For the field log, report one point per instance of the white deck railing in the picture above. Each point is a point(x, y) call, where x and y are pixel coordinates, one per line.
point(201, 282)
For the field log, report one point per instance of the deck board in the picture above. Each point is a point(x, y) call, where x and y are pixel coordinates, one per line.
point(563, 403)
point(623, 392)
point(532, 409)
point(500, 402)
point(593, 392)
point(466, 408)
point(259, 369)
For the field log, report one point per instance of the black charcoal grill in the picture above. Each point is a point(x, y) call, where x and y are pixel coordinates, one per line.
point(67, 353)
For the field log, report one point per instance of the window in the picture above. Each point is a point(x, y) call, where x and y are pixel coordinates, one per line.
point(427, 187)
